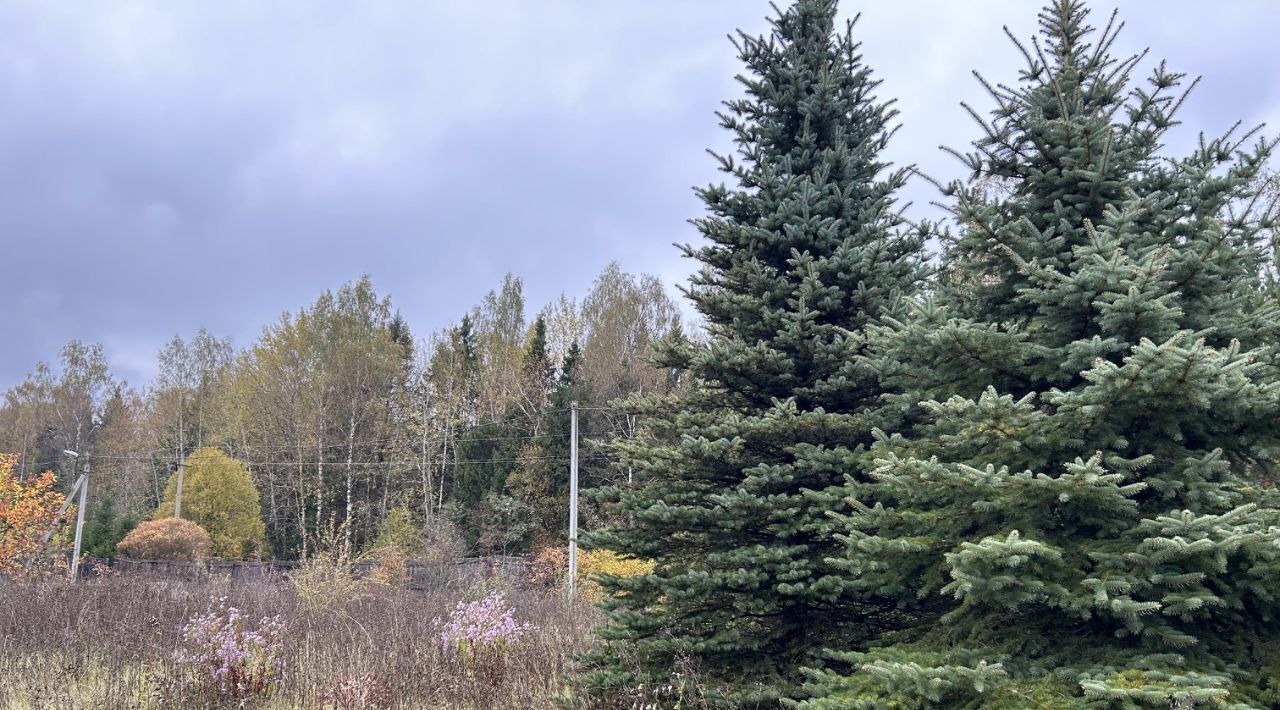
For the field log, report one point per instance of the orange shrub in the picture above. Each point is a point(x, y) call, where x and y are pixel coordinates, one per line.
point(393, 567)
point(27, 510)
point(549, 566)
point(167, 539)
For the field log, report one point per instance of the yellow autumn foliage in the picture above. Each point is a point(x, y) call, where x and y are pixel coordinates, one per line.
point(27, 509)
point(550, 565)
point(593, 562)
point(218, 494)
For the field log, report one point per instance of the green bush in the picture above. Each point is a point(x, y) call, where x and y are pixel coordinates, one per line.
point(218, 493)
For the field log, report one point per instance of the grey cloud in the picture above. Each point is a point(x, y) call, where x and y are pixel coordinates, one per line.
point(166, 166)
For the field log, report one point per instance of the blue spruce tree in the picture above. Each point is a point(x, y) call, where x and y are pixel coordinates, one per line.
point(802, 253)
point(1084, 516)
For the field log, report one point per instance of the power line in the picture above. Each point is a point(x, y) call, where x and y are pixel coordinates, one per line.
point(167, 456)
point(462, 427)
point(162, 455)
point(231, 449)
point(407, 439)
point(340, 464)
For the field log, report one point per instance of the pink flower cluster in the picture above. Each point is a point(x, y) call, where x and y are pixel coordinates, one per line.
point(225, 658)
point(485, 625)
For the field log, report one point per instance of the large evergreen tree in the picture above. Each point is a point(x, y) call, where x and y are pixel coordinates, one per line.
point(804, 251)
point(1085, 516)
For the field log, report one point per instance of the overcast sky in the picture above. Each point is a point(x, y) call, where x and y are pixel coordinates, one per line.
point(168, 165)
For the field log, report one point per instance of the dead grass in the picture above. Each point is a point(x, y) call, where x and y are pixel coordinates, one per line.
point(111, 644)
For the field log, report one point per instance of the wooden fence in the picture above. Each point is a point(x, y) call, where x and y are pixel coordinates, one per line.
point(421, 574)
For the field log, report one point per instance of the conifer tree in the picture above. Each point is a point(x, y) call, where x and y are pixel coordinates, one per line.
point(1084, 517)
point(803, 252)
point(542, 481)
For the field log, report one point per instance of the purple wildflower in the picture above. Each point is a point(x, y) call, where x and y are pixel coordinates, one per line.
point(226, 659)
point(485, 625)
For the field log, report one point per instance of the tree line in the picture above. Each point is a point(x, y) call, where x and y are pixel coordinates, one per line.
point(344, 417)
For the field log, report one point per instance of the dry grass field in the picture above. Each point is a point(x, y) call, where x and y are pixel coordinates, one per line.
point(125, 642)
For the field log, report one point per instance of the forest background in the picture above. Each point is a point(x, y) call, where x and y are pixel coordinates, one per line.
point(345, 419)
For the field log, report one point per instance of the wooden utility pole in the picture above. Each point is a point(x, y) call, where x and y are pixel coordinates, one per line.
point(573, 498)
